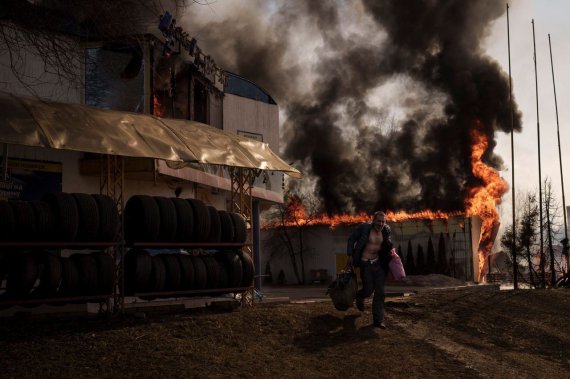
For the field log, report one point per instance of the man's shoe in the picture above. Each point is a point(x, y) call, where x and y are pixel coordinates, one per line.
point(378, 324)
point(360, 304)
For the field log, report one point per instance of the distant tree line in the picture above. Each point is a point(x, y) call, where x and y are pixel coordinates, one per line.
point(538, 265)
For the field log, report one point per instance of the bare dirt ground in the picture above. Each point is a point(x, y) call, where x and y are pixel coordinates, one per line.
point(465, 333)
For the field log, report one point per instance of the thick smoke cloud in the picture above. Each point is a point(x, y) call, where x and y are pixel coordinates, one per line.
point(410, 150)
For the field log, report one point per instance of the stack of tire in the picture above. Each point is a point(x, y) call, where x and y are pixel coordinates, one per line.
point(162, 219)
point(62, 217)
point(58, 217)
point(199, 270)
point(45, 275)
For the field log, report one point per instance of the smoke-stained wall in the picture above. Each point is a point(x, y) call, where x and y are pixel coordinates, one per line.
point(322, 245)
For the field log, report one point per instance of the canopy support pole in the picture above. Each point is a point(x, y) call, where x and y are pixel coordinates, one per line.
point(112, 183)
point(242, 180)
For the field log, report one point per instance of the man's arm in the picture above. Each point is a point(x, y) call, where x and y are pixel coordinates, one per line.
point(354, 236)
point(352, 239)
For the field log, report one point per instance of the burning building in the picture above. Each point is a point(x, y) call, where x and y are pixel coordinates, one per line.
point(444, 244)
point(468, 235)
point(399, 111)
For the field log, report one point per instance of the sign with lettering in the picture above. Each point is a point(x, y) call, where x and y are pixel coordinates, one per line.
point(30, 180)
point(255, 136)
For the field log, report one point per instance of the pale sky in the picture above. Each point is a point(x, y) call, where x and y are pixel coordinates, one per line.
point(549, 17)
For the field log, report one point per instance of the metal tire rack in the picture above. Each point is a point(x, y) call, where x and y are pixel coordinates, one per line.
point(111, 183)
point(242, 180)
point(104, 300)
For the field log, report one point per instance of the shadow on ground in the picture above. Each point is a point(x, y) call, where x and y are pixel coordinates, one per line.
point(327, 331)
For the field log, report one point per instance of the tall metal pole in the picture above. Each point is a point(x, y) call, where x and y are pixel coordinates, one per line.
point(514, 244)
point(565, 246)
point(539, 166)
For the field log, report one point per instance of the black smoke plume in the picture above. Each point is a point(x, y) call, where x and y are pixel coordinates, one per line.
point(363, 155)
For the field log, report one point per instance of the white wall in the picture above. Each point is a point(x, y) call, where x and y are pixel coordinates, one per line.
point(72, 181)
point(251, 116)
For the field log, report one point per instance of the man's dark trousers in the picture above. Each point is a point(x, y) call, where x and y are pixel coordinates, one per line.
point(373, 279)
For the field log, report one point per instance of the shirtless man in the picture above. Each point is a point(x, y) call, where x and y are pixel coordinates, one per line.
point(369, 248)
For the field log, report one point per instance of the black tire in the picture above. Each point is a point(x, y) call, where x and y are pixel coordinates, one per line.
point(142, 219)
point(7, 221)
point(227, 226)
point(201, 220)
point(24, 221)
point(186, 271)
point(157, 280)
point(108, 218)
point(50, 274)
point(70, 285)
point(167, 230)
point(240, 227)
point(88, 212)
point(184, 220)
point(248, 269)
point(88, 276)
point(172, 272)
point(24, 271)
point(138, 266)
point(4, 268)
point(66, 215)
point(3, 298)
point(212, 270)
point(105, 272)
point(215, 234)
point(5, 265)
point(200, 272)
point(234, 266)
point(223, 278)
point(45, 221)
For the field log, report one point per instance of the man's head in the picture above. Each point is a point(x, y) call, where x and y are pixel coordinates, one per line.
point(379, 220)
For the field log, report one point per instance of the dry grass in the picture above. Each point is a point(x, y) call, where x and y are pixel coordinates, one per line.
point(443, 334)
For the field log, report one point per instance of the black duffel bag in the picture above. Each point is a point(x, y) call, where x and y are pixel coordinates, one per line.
point(343, 289)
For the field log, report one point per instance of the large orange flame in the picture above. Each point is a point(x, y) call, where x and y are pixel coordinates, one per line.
point(481, 201)
point(296, 215)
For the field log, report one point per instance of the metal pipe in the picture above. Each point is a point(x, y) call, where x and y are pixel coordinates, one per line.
point(539, 166)
point(514, 247)
point(256, 243)
point(565, 246)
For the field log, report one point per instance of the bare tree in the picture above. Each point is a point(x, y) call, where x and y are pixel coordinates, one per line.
point(51, 30)
point(526, 244)
point(552, 229)
point(528, 234)
point(289, 221)
point(507, 245)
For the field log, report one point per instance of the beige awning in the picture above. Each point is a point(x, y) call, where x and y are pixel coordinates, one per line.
point(33, 122)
